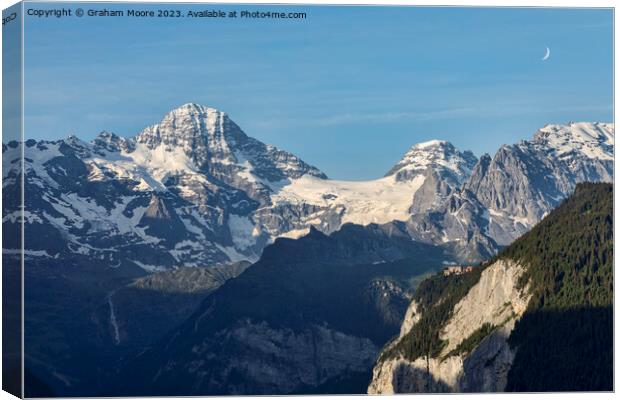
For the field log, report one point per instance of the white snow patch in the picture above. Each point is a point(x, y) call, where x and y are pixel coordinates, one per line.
point(243, 231)
point(234, 256)
point(594, 140)
point(149, 167)
point(148, 267)
point(29, 253)
point(430, 143)
point(29, 218)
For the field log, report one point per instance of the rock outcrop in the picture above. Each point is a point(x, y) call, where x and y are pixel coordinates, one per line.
point(497, 300)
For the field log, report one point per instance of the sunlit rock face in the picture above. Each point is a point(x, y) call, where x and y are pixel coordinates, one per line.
point(496, 299)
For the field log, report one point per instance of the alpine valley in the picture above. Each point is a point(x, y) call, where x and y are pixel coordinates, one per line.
point(192, 259)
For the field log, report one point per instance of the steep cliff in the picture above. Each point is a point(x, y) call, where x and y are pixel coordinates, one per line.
point(493, 305)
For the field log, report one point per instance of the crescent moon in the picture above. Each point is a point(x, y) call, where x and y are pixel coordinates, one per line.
point(547, 54)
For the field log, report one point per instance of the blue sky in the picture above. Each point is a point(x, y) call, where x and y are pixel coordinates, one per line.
point(349, 89)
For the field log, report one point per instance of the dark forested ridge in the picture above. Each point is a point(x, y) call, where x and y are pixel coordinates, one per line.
point(564, 340)
point(570, 253)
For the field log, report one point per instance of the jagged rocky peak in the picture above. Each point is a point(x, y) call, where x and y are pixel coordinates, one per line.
point(111, 142)
point(479, 171)
point(197, 130)
point(162, 221)
point(214, 143)
point(602, 132)
point(189, 121)
point(107, 137)
point(438, 155)
point(72, 144)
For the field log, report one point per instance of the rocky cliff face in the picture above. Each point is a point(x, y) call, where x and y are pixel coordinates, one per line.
point(496, 300)
point(525, 181)
point(443, 167)
point(273, 360)
point(484, 370)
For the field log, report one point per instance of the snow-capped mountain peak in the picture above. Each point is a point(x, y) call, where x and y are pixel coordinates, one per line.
point(215, 144)
point(195, 129)
point(432, 143)
point(591, 139)
point(205, 119)
point(438, 155)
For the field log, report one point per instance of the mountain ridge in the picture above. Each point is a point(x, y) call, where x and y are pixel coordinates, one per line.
point(233, 195)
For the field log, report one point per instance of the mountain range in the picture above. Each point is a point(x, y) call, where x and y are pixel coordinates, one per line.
point(195, 190)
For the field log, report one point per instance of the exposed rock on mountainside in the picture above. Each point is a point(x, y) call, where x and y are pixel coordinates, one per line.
point(161, 220)
point(443, 167)
point(495, 300)
point(191, 280)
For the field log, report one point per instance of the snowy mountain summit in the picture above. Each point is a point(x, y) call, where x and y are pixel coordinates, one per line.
point(437, 155)
point(593, 140)
point(583, 146)
point(195, 190)
point(215, 144)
